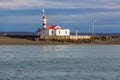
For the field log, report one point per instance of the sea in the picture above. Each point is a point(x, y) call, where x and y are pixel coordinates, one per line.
point(72, 33)
point(60, 62)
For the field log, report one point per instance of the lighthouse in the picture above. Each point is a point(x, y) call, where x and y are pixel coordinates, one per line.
point(51, 30)
point(44, 19)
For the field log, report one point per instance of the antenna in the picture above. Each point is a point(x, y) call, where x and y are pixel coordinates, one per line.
point(76, 31)
point(93, 25)
point(43, 11)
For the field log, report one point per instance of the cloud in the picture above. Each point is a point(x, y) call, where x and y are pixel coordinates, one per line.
point(20, 20)
point(101, 18)
point(51, 19)
point(28, 4)
point(64, 12)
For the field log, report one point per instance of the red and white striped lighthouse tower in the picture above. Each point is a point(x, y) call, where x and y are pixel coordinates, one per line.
point(44, 19)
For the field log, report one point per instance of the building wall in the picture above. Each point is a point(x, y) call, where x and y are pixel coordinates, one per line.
point(79, 37)
point(51, 32)
point(62, 32)
point(55, 32)
point(65, 37)
point(44, 32)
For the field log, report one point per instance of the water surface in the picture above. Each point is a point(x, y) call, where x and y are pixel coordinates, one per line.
point(59, 62)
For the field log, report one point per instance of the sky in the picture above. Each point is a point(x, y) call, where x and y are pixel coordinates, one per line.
point(26, 15)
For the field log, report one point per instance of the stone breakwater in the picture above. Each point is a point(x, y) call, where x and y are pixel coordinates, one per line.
point(64, 38)
point(24, 39)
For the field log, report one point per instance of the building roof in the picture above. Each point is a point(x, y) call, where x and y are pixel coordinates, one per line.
point(53, 27)
point(49, 27)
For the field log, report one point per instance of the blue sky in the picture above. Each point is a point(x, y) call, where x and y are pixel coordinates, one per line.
point(25, 15)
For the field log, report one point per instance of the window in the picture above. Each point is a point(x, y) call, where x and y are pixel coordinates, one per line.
point(59, 32)
point(65, 32)
point(51, 32)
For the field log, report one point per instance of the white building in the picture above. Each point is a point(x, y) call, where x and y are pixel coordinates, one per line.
point(55, 32)
point(52, 30)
